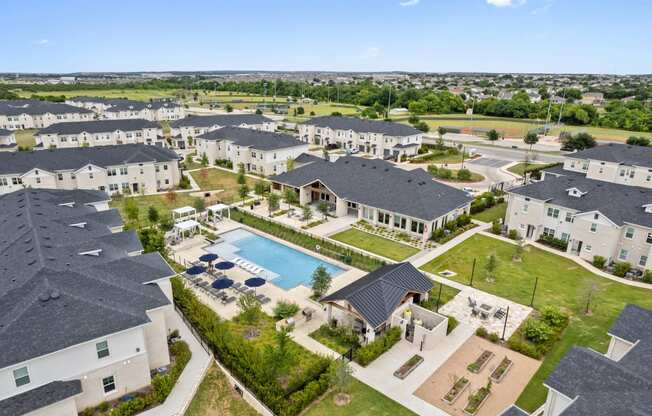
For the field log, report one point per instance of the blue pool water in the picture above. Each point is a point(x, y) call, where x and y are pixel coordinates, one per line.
point(290, 267)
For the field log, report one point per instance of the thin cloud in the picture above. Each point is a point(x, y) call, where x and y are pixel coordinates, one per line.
point(42, 42)
point(408, 3)
point(371, 52)
point(506, 3)
point(543, 9)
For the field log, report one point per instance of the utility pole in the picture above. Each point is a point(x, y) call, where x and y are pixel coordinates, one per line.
point(561, 109)
point(389, 100)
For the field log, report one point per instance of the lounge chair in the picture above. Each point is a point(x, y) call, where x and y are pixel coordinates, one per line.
point(260, 297)
point(236, 285)
point(265, 300)
point(228, 300)
point(472, 302)
point(500, 313)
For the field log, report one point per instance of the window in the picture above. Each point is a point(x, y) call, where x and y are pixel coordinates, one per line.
point(587, 247)
point(548, 232)
point(649, 238)
point(21, 376)
point(383, 217)
point(629, 233)
point(60, 176)
point(642, 261)
point(4, 182)
point(596, 216)
point(400, 222)
point(123, 171)
point(108, 383)
point(38, 180)
point(565, 236)
point(553, 212)
point(112, 172)
point(623, 254)
point(156, 168)
point(594, 227)
point(102, 349)
point(569, 217)
point(622, 172)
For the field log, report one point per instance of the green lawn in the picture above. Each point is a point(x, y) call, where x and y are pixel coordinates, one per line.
point(365, 401)
point(25, 138)
point(494, 213)
point(562, 282)
point(213, 179)
point(130, 93)
point(161, 202)
point(332, 342)
point(216, 397)
point(522, 167)
point(447, 294)
point(439, 157)
point(375, 244)
point(475, 177)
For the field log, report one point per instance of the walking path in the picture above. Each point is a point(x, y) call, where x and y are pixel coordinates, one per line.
point(187, 384)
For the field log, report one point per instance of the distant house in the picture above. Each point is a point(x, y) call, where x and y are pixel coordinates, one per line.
point(593, 98)
point(378, 192)
point(505, 95)
point(35, 114)
point(121, 108)
point(194, 126)
point(7, 140)
point(385, 298)
point(382, 139)
point(100, 133)
point(261, 152)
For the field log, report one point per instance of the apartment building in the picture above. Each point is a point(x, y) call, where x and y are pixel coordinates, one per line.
point(186, 129)
point(7, 140)
point(381, 139)
point(127, 168)
point(378, 192)
point(261, 152)
point(120, 108)
point(35, 114)
point(100, 133)
point(85, 314)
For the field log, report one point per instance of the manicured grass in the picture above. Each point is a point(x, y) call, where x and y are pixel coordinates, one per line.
point(439, 157)
point(475, 177)
point(375, 244)
point(25, 138)
point(494, 213)
point(213, 179)
point(334, 343)
point(447, 294)
point(130, 93)
point(365, 401)
point(562, 283)
point(602, 133)
point(522, 167)
point(216, 397)
point(161, 202)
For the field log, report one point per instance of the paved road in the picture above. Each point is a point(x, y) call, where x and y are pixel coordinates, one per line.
point(489, 162)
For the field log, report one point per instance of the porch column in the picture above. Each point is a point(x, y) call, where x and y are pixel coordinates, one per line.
point(340, 208)
point(304, 196)
point(330, 313)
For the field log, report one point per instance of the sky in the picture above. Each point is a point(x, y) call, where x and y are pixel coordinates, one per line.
point(548, 36)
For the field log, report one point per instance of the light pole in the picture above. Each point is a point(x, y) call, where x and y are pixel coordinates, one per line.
point(472, 273)
point(534, 291)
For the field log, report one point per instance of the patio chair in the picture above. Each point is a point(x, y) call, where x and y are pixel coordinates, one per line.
point(260, 297)
point(500, 313)
point(265, 300)
point(484, 314)
point(228, 300)
point(472, 302)
point(475, 311)
point(236, 286)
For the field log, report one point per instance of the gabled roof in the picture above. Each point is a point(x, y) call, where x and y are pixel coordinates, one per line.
point(76, 157)
point(360, 125)
point(132, 105)
point(6, 133)
point(620, 203)
point(256, 139)
point(50, 290)
point(514, 411)
point(380, 184)
point(600, 386)
point(618, 153)
point(376, 295)
point(39, 397)
point(221, 120)
point(36, 107)
point(99, 126)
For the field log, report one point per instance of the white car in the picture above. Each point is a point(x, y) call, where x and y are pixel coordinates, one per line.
point(468, 190)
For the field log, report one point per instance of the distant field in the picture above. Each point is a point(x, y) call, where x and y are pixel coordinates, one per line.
point(130, 93)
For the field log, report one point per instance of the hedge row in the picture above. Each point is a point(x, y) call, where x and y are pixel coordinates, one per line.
point(365, 355)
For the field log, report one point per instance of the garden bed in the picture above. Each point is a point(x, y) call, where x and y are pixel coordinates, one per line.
point(476, 401)
point(501, 371)
point(479, 364)
point(408, 366)
point(456, 391)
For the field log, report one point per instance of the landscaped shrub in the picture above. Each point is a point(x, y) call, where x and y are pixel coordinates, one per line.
point(496, 227)
point(647, 276)
point(225, 163)
point(365, 355)
point(554, 317)
point(621, 268)
point(537, 331)
point(452, 324)
point(490, 336)
point(599, 262)
point(463, 220)
point(524, 348)
point(481, 332)
point(553, 242)
point(513, 235)
point(284, 310)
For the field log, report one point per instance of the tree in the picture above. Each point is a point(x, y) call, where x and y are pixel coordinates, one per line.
point(638, 141)
point(131, 209)
point(580, 141)
point(272, 202)
point(198, 204)
point(188, 161)
point(323, 208)
point(260, 188)
point(228, 108)
point(520, 249)
point(321, 281)
point(341, 380)
point(152, 215)
point(290, 196)
point(490, 267)
point(243, 191)
point(493, 135)
point(531, 138)
point(423, 126)
point(325, 154)
point(280, 357)
point(259, 111)
point(464, 175)
point(241, 178)
point(441, 131)
point(204, 159)
point(152, 240)
point(290, 164)
point(307, 213)
point(250, 308)
point(300, 110)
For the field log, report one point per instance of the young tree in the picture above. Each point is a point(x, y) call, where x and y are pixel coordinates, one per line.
point(493, 135)
point(260, 188)
point(152, 215)
point(242, 179)
point(204, 159)
point(490, 267)
point(280, 357)
point(272, 202)
point(243, 191)
point(249, 308)
point(531, 139)
point(464, 175)
point(307, 213)
point(152, 240)
point(229, 108)
point(199, 204)
point(300, 110)
point(323, 208)
point(441, 131)
point(131, 209)
point(188, 161)
point(290, 164)
point(321, 281)
point(341, 380)
point(290, 196)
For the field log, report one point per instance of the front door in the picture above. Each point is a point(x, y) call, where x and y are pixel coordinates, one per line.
point(530, 231)
point(135, 187)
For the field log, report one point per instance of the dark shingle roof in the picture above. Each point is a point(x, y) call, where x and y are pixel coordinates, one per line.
point(514, 411)
point(256, 139)
point(99, 126)
point(620, 203)
point(603, 387)
point(5, 133)
point(77, 157)
point(360, 125)
point(380, 184)
point(376, 295)
point(36, 107)
point(50, 290)
point(221, 120)
point(39, 397)
point(305, 158)
point(132, 105)
point(618, 153)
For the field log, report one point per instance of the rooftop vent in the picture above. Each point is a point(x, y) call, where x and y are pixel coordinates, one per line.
point(67, 204)
point(78, 225)
point(95, 252)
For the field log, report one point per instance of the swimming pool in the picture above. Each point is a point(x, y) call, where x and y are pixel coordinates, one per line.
point(286, 267)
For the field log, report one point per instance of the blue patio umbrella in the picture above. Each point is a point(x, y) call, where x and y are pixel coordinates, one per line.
point(255, 282)
point(208, 257)
point(195, 270)
point(223, 283)
point(224, 265)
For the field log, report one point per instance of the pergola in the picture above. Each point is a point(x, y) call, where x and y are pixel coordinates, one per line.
point(185, 228)
point(217, 211)
point(183, 213)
